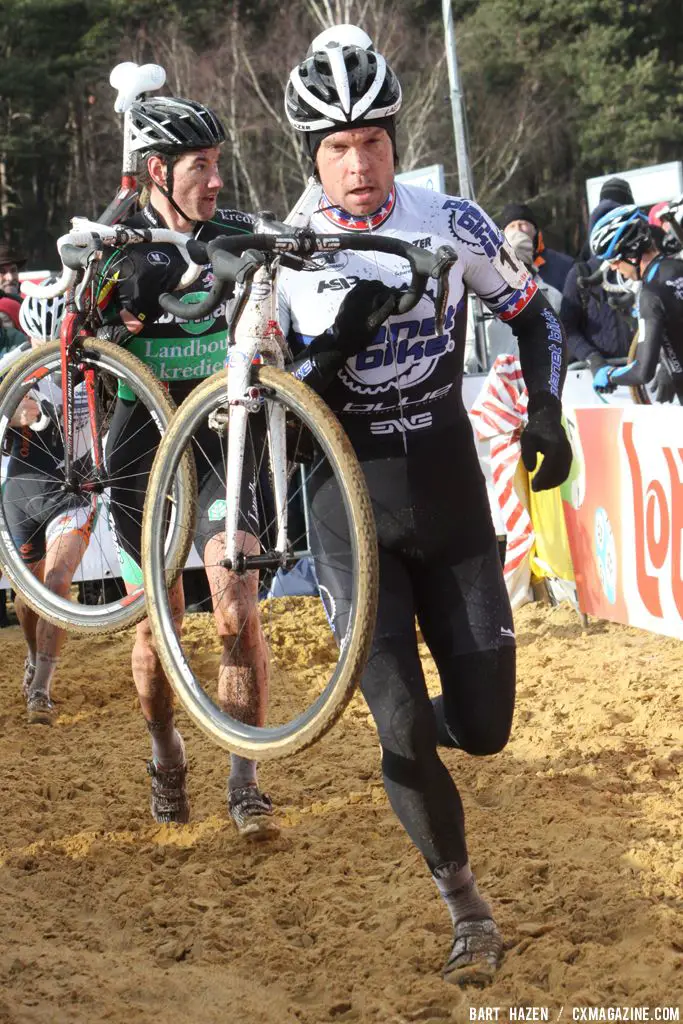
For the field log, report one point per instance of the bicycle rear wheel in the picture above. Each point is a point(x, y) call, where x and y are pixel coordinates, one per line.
point(316, 600)
point(36, 486)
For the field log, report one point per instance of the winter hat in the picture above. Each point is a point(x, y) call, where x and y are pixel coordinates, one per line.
point(516, 211)
point(603, 207)
point(11, 307)
point(618, 190)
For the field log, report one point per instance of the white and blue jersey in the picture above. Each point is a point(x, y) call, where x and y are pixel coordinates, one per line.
point(407, 382)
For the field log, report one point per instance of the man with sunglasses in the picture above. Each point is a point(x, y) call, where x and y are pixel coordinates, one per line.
point(623, 239)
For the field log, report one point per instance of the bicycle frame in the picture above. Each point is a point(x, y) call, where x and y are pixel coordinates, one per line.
point(256, 337)
point(70, 333)
point(260, 337)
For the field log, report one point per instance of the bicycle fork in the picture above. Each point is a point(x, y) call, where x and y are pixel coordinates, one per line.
point(257, 338)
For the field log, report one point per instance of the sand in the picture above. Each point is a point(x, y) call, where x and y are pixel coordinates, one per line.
point(575, 833)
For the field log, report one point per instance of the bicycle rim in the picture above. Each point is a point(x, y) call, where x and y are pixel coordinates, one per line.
point(311, 675)
point(36, 487)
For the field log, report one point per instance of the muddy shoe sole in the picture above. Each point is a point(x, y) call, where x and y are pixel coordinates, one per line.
point(258, 829)
point(40, 711)
point(476, 954)
point(169, 802)
point(252, 813)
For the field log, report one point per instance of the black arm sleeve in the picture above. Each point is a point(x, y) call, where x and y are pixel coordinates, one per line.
point(542, 348)
point(652, 333)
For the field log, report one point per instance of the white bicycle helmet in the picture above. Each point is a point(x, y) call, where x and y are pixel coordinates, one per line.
point(340, 87)
point(341, 35)
point(41, 318)
point(173, 126)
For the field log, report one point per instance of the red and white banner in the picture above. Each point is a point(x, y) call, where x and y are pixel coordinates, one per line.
point(499, 415)
point(623, 505)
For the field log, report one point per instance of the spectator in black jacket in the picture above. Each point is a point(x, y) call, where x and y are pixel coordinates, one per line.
point(595, 330)
point(551, 265)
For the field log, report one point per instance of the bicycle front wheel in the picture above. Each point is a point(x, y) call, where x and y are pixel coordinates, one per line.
point(40, 506)
point(296, 618)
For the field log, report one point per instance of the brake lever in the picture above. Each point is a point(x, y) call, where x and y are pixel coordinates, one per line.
point(285, 259)
point(588, 281)
point(446, 258)
point(228, 267)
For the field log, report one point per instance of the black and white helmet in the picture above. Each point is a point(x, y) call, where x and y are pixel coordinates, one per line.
point(341, 35)
point(170, 125)
point(341, 86)
point(41, 318)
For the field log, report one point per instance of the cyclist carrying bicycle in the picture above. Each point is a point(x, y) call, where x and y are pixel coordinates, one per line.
point(623, 238)
point(50, 528)
point(180, 141)
point(397, 392)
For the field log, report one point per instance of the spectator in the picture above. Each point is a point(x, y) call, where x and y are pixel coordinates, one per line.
point(10, 265)
point(623, 239)
point(618, 191)
point(596, 331)
point(499, 335)
point(553, 266)
point(614, 192)
point(10, 333)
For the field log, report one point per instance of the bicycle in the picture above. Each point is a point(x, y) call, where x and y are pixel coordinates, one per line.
point(299, 456)
point(76, 382)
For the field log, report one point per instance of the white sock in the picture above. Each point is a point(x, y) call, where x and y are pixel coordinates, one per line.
point(168, 748)
point(42, 676)
point(242, 772)
point(459, 892)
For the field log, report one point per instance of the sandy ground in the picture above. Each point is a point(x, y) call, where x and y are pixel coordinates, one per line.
point(575, 833)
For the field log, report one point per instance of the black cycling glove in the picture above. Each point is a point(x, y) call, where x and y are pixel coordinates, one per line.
point(664, 389)
point(544, 433)
point(363, 311)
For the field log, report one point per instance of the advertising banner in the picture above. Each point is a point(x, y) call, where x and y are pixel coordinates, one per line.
point(648, 184)
point(623, 505)
point(431, 177)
